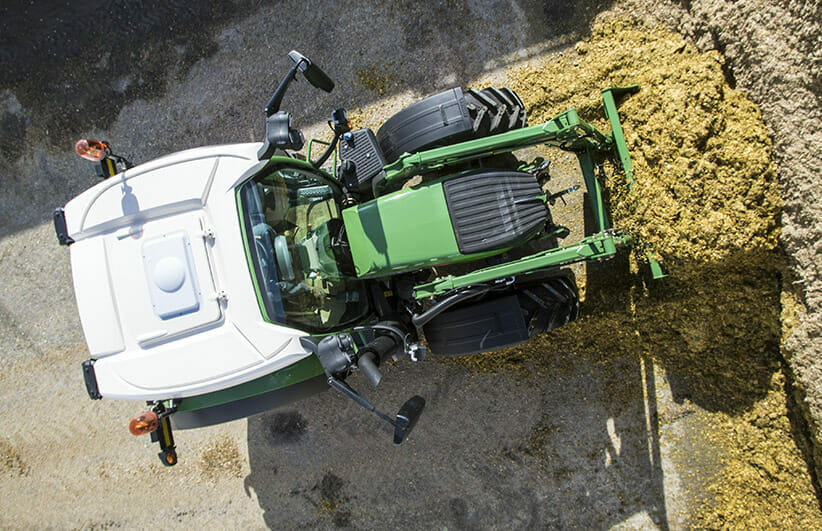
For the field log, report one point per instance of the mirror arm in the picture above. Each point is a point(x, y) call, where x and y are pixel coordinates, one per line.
point(333, 353)
point(274, 103)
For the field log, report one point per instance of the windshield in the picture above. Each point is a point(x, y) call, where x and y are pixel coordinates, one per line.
point(290, 217)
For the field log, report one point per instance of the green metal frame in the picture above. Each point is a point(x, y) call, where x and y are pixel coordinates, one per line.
point(608, 99)
point(596, 247)
point(305, 369)
point(566, 131)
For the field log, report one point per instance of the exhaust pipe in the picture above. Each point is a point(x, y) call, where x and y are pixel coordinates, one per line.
point(372, 354)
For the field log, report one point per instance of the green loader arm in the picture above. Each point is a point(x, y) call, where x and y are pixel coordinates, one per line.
point(568, 132)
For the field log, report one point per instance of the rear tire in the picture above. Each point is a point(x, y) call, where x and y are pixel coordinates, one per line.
point(474, 327)
point(449, 117)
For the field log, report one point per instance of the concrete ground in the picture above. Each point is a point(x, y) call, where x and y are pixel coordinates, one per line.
point(583, 445)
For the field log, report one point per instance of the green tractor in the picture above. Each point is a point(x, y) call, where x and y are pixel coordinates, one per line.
point(224, 281)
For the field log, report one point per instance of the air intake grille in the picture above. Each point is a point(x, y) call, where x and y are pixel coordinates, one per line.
point(494, 209)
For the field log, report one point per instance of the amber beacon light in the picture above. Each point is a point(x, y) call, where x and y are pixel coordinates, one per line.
point(92, 150)
point(145, 423)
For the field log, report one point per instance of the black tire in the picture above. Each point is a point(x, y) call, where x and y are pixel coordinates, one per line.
point(504, 320)
point(549, 303)
point(495, 111)
point(449, 117)
point(488, 324)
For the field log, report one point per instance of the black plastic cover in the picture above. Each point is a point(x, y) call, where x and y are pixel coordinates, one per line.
point(60, 227)
point(494, 209)
point(438, 119)
point(280, 135)
point(91, 380)
point(478, 327)
point(361, 148)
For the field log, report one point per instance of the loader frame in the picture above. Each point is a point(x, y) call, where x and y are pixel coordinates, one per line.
point(567, 132)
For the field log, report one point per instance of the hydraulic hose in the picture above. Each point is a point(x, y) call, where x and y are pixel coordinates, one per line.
point(330, 149)
point(421, 319)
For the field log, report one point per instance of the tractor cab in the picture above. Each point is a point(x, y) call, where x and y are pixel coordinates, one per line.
point(292, 227)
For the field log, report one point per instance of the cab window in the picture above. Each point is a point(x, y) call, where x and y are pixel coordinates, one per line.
point(290, 217)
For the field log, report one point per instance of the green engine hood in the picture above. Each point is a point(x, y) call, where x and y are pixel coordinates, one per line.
point(401, 231)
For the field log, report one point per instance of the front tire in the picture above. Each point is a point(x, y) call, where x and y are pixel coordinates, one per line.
point(449, 117)
point(507, 319)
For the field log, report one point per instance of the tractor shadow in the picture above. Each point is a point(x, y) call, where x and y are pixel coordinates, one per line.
point(566, 446)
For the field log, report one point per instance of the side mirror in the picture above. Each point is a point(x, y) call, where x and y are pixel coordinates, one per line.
point(312, 72)
point(331, 352)
point(407, 418)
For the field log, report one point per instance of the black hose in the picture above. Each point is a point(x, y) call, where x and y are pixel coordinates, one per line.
point(421, 319)
point(330, 149)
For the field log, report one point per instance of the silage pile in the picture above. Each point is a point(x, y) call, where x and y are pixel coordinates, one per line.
point(707, 201)
point(706, 182)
